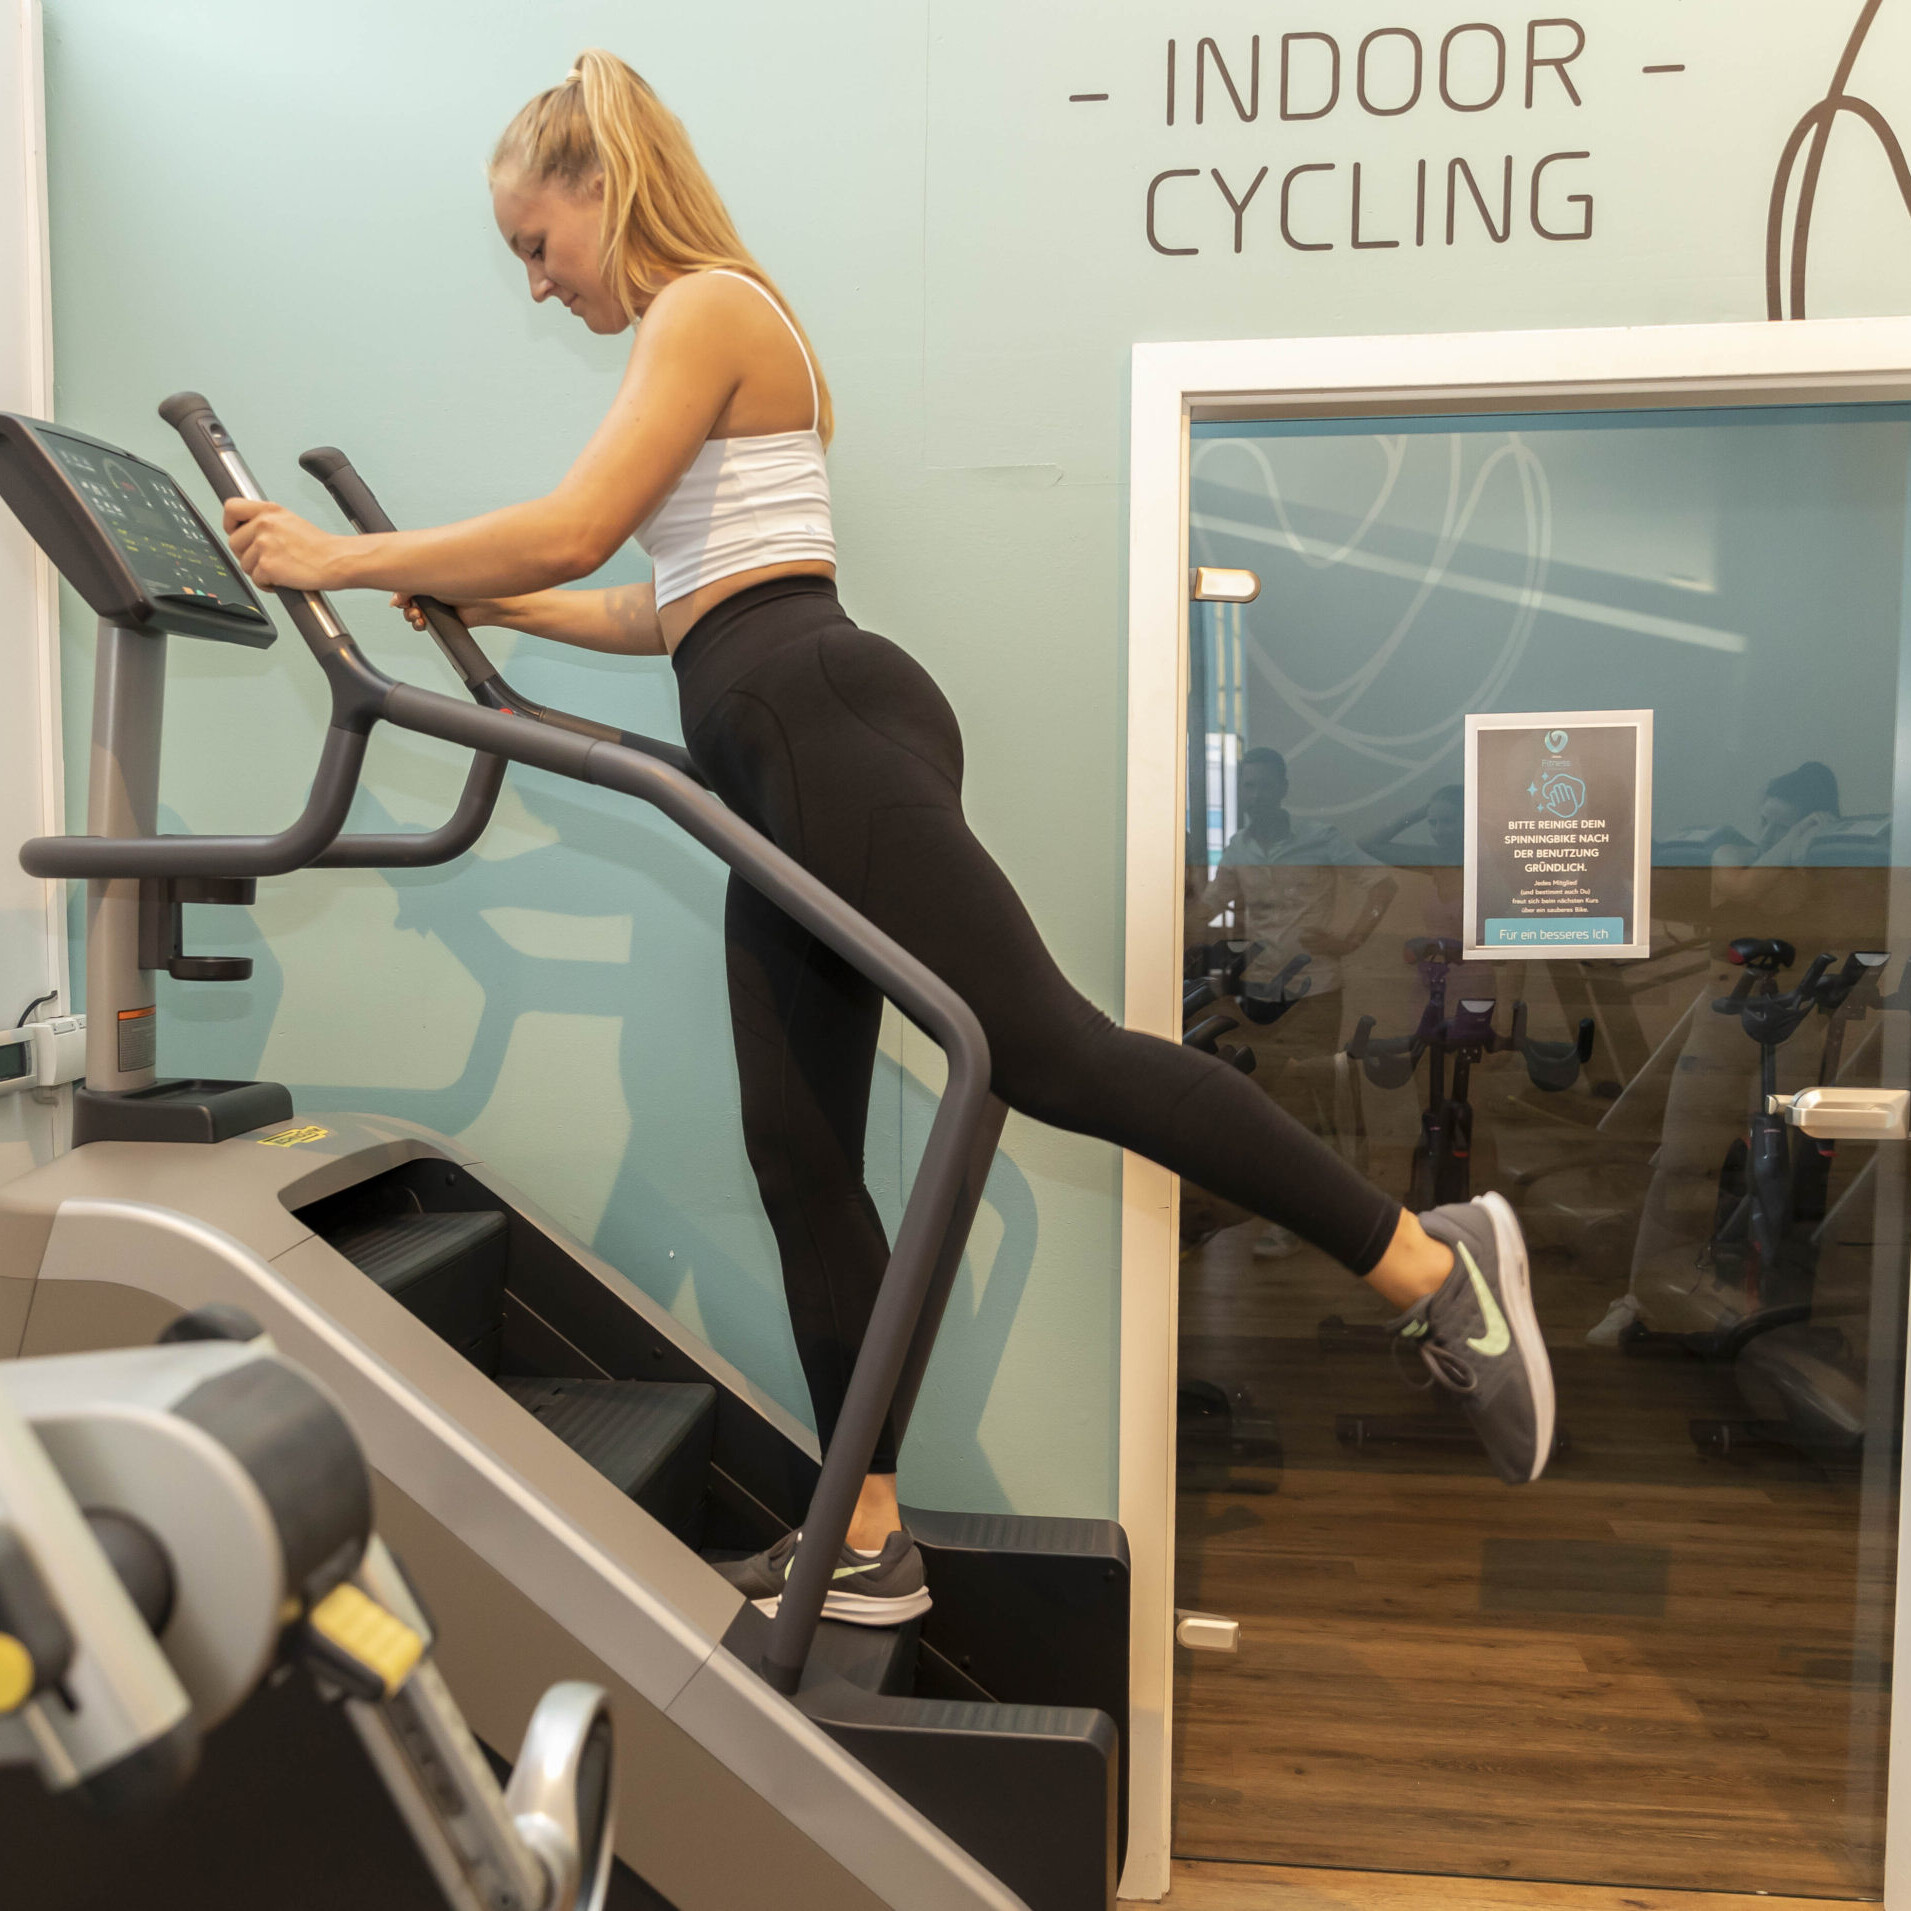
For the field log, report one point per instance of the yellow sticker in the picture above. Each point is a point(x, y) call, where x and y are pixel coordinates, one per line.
point(16, 1674)
point(293, 1137)
point(360, 1629)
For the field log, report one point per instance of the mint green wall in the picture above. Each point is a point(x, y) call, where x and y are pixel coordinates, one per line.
point(283, 206)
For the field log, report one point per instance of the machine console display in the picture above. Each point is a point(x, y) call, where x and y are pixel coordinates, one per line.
point(125, 535)
point(150, 520)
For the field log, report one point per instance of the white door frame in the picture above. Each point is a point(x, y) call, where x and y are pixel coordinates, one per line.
point(1821, 361)
point(31, 784)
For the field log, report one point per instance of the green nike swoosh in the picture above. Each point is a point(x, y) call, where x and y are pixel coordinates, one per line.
point(1498, 1336)
point(842, 1572)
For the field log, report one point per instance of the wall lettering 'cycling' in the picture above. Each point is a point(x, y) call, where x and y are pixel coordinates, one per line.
point(1321, 205)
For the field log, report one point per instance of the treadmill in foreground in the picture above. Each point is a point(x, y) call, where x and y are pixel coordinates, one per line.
point(553, 1453)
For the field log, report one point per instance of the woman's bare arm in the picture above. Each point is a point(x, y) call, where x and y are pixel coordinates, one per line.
point(622, 621)
point(687, 361)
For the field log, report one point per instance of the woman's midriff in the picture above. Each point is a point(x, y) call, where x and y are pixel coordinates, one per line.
point(676, 618)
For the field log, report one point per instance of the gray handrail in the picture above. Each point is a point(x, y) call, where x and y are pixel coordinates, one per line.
point(412, 849)
point(929, 1216)
point(942, 1198)
point(462, 651)
point(101, 858)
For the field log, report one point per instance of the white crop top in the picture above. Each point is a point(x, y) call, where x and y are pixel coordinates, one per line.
point(744, 502)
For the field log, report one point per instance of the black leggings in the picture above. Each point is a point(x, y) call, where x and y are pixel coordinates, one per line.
point(840, 748)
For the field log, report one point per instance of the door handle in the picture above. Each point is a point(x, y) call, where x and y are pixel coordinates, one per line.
point(1206, 1631)
point(1847, 1114)
point(1211, 584)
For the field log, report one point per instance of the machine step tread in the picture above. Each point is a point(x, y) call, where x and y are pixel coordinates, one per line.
point(879, 1659)
point(905, 1712)
point(1015, 1533)
point(872, 1659)
point(629, 1430)
point(400, 1248)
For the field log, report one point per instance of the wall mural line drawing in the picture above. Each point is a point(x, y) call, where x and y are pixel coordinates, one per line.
point(1785, 280)
point(1329, 711)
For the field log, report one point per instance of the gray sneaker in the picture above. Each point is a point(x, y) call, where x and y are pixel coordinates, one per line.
point(868, 1589)
point(1480, 1338)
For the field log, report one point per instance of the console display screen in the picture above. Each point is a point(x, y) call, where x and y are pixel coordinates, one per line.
point(147, 517)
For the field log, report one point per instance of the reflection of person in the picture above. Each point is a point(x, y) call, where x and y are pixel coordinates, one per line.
point(1280, 881)
point(1758, 889)
point(838, 746)
point(1444, 813)
point(1443, 905)
point(1795, 809)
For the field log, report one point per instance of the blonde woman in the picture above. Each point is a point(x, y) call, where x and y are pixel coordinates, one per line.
point(836, 744)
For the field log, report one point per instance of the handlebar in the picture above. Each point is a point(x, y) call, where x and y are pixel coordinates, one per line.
point(357, 688)
point(101, 858)
point(353, 496)
point(479, 674)
point(1390, 1061)
point(413, 849)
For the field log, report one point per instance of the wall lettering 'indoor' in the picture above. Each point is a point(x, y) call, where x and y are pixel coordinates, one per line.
point(1473, 185)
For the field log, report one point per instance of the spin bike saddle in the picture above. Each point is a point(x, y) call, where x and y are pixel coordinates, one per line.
point(1774, 1018)
point(1432, 949)
point(1766, 954)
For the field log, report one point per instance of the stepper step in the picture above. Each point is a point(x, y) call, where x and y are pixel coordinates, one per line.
point(1029, 1790)
point(448, 1269)
point(871, 1658)
point(650, 1439)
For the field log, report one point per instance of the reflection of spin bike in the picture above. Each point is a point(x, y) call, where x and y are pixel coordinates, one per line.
point(1769, 1225)
point(1217, 1426)
point(1218, 970)
point(1442, 1171)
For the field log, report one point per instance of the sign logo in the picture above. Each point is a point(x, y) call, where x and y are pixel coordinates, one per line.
point(1556, 741)
point(1560, 795)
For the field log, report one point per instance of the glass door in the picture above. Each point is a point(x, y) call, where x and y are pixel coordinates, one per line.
point(1668, 1664)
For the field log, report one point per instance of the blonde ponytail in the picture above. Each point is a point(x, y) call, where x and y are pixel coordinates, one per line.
point(662, 215)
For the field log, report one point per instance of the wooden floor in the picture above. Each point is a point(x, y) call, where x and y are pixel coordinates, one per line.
point(1226, 1887)
point(1653, 1670)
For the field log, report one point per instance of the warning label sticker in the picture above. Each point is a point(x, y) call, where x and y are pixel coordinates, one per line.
point(293, 1137)
point(138, 1039)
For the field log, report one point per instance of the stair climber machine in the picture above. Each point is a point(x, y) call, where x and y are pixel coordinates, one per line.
point(180, 1524)
point(1775, 1218)
point(1441, 1172)
point(553, 1453)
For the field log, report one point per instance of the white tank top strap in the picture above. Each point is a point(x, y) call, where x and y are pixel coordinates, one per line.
point(745, 503)
point(816, 397)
